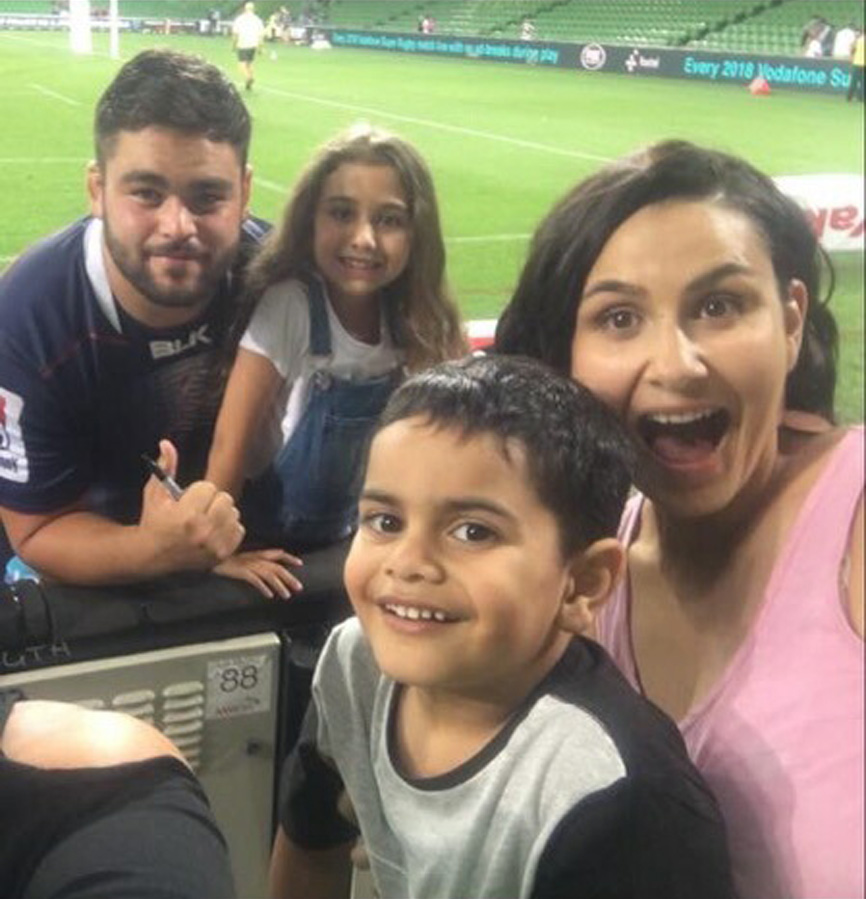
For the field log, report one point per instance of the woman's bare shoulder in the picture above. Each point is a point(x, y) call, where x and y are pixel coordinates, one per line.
point(808, 443)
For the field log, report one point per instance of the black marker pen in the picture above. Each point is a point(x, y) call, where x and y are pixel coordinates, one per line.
point(167, 481)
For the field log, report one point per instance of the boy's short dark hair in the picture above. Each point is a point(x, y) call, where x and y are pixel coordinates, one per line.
point(167, 89)
point(578, 455)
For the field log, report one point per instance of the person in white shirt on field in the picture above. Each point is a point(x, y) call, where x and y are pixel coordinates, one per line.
point(844, 42)
point(248, 32)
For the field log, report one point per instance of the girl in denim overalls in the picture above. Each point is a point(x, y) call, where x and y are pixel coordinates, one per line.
point(350, 293)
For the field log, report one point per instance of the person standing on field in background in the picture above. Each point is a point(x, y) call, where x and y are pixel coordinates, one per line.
point(248, 32)
point(844, 41)
point(858, 63)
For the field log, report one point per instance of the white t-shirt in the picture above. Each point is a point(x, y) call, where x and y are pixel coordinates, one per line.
point(845, 38)
point(280, 331)
point(813, 49)
point(248, 28)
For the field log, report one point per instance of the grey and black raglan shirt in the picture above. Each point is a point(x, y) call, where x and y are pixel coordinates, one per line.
point(587, 792)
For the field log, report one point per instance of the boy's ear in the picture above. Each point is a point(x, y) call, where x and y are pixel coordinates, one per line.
point(595, 571)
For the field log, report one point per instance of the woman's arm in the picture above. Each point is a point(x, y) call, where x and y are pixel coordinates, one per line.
point(251, 390)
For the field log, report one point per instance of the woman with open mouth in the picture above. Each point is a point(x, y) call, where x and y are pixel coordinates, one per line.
point(684, 288)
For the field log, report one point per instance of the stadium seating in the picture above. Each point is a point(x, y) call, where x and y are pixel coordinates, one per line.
point(771, 26)
point(778, 27)
point(145, 9)
point(749, 26)
point(662, 22)
point(152, 9)
point(644, 21)
point(36, 8)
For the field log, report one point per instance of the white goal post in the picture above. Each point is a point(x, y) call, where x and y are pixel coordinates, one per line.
point(80, 37)
point(80, 29)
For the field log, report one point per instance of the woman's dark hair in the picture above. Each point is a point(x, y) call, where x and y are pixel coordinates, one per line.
point(540, 319)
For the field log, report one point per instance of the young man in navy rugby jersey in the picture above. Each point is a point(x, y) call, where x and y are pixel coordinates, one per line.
point(112, 335)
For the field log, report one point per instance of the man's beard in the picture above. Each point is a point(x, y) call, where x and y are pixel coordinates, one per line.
point(134, 267)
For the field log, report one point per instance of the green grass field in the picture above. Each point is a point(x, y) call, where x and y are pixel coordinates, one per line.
point(503, 141)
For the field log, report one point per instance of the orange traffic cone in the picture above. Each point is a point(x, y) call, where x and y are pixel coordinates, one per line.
point(759, 87)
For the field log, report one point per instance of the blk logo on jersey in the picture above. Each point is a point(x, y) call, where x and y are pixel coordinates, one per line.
point(13, 458)
point(161, 349)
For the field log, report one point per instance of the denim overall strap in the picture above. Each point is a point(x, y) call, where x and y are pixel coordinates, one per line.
point(313, 492)
point(392, 320)
point(320, 328)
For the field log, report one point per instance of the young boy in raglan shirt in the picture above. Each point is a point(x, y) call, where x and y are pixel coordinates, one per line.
point(488, 748)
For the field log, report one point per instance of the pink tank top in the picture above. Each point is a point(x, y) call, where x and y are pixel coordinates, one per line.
point(780, 737)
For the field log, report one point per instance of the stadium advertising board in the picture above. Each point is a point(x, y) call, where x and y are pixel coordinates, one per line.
point(834, 206)
point(796, 73)
point(32, 23)
point(531, 52)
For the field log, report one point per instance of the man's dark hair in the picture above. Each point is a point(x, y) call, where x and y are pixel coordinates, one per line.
point(167, 89)
point(578, 456)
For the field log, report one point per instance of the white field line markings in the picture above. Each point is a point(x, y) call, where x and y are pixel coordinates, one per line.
point(479, 238)
point(16, 38)
point(50, 93)
point(488, 238)
point(476, 239)
point(441, 126)
point(261, 182)
point(45, 160)
point(258, 181)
